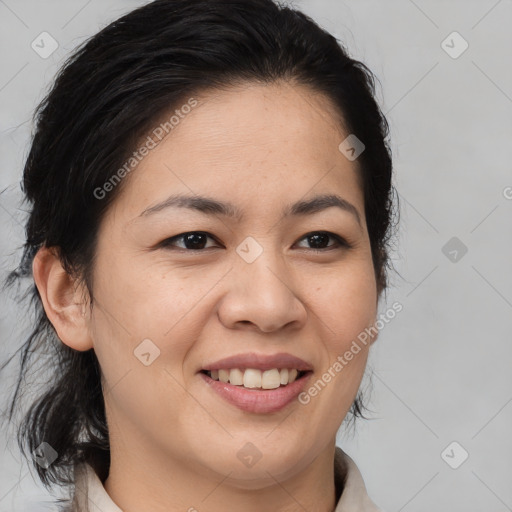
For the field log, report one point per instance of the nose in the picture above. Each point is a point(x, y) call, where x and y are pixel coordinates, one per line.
point(261, 295)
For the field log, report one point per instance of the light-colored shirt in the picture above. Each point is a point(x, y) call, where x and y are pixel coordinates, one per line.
point(91, 496)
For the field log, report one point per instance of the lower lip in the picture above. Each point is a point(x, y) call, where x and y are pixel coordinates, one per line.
point(258, 400)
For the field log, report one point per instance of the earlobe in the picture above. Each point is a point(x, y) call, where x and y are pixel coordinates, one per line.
point(63, 300)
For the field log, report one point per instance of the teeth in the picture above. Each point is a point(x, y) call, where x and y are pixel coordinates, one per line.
point(253, 378)
point(270, 379)
point(236, 377)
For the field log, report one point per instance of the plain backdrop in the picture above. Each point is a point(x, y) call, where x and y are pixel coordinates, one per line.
point(442, 382)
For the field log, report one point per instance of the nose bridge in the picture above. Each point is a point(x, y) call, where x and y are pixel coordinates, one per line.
point(260, 264)
point(260, 291)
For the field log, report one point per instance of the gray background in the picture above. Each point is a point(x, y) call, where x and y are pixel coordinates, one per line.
point(442, 366)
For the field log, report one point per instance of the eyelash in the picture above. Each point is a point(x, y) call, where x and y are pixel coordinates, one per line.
point(340, 242)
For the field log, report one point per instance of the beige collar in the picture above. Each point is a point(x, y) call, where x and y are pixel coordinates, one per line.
point(90, 495)
point(354, 497)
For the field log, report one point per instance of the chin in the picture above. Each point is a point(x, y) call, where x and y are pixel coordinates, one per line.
point(251, 468)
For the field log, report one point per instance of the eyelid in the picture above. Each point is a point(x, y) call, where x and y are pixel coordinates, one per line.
point(164, 244)
point(341, 242)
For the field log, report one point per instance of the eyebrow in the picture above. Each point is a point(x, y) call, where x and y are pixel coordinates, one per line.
point(211, 206)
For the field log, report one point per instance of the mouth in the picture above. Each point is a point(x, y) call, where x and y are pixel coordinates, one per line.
point(255, 379)
point(257, 391)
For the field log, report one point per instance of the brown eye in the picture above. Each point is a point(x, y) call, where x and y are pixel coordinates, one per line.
point(192, 240)
point(319, 241)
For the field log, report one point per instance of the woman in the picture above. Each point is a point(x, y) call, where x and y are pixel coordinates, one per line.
point(211, 207)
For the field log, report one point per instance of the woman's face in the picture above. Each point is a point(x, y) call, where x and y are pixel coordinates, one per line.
point(249, 284)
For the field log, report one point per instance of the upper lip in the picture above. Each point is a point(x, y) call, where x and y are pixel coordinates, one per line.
point(260, 362)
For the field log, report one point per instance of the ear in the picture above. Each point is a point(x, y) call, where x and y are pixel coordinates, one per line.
point(63, 300)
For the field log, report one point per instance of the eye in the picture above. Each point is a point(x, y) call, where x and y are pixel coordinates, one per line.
point(192, 240)
point(197, 240)
point(318, 239)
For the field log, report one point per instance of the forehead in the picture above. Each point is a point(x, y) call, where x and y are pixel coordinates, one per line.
point(257, 115)
point(274, 141)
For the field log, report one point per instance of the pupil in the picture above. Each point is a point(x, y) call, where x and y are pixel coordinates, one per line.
point(192, 242)
point(321, 236)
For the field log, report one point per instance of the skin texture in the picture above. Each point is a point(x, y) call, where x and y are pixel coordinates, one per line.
point(174, 442)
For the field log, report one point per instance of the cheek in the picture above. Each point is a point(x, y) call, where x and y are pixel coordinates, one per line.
point(346, 301)
point(138, 312)
point(347, 307)
point(144, 299)
point(135, 303)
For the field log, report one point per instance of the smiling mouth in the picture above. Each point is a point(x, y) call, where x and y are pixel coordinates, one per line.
point(253, 378)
